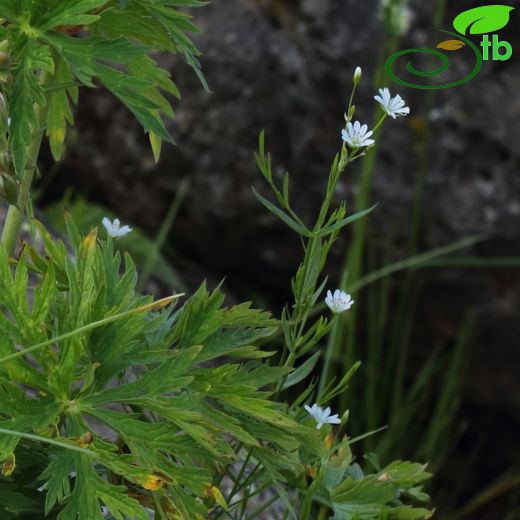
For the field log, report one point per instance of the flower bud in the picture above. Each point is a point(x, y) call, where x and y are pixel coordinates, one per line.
point(357, 76)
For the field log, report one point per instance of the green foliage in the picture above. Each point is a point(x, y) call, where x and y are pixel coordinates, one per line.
point(57, 46)
point(339, 484)
point(140, 247)
point(170, 412)
point(306, 285)
point(113, 405)
point(127, 405)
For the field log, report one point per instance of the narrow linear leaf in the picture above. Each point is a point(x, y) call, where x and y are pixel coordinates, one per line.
point(283, 216)
point(302, 371)
point(345, 222)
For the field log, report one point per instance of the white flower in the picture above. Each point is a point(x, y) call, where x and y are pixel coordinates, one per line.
point(404, 20)
point(397, 15)
point(357, 75)
point(114, 229)
point(357, 135)
point(338, 302)
point(393, 106)
point(322, 416)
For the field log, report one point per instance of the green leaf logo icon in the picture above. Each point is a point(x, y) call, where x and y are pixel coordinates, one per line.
point(482, 20)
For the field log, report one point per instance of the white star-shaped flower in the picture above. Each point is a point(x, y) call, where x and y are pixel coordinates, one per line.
point(114, 229)
point(322, 416)
point(393, 106)
point(338, 302)
point(357, 135)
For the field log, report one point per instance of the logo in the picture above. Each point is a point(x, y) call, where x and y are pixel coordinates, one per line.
point(478, 21)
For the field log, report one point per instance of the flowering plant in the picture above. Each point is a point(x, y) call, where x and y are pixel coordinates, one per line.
point(116, 406)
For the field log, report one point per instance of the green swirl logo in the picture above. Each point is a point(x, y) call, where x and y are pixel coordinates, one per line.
point(481, 20)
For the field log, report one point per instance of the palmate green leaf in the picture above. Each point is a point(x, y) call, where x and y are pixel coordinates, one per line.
point(44, 414)
point(91, 491)
point(246, 379)
point(79, 309)
point(244, 315)
point(355, 512)
point(93, 42)
point(367, 492)
point(233, 342)
point(137, 90)
point(136, 23)
point(14, 502)
point(162, 380)
point(141, 436)
point(141, 374)
point(44, 295)
point(59, 113)
point(284, 439)
point(33, 16)
point(178, 504)
point(9, 8)
point(408, 513)
point(71, 12)
point(261, 409)
point(199, 318)
point(407, 474)
point(27, 92)
point(156, 25)
point(181, 411)
point(134, 92)
point(368, 497)
point(334, 469)
point(226, 423)
point(141, 469)
point(57, 481)
point(7, 288)
point(17, 369)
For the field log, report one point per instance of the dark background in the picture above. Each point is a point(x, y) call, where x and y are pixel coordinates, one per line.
point(286, 67)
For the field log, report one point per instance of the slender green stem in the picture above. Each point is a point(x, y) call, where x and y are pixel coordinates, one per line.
point(236, 484)
point(351, 270)
point(488, 495)
point(161, 237)
point(351, 101)
point(343, 336)
point(38, 438)
point(380, 122)
point(263, 508)
point(15, 213)
point(324, 511)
